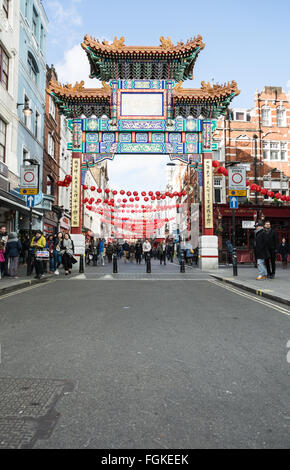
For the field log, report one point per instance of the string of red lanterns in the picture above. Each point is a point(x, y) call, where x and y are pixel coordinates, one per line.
point(66, 182)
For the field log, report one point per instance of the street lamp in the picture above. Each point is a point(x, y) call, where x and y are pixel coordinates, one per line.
point(27, 111)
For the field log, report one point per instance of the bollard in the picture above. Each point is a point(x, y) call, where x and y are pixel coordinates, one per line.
point(148, 264)
point(81, 267)
point(182, 264)
point(115, 263)
point(235, 262)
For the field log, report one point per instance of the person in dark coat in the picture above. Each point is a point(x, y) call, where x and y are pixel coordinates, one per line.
point(284, 252)
point(138, 252)
point(109, 252)
point(12, 251)
point(261, 250)
point(272, 246)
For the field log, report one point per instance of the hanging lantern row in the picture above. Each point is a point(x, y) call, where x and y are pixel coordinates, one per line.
point(258, 189)
point(122, 192)
point(66, 182)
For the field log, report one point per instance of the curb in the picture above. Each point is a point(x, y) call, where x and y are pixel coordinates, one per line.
point(22, 285)
point(253, 290)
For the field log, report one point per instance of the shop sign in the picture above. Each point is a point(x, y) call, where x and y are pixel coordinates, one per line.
point(75, 197)
point(248, 224)
point(208, 194)
point(65, 223)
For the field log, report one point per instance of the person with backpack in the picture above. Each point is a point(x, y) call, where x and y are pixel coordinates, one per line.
point(12, 250)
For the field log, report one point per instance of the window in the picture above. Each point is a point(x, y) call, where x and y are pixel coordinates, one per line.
point(274, 151)
point(217, 190)
point(51, 107)
point(3, 128)
point(266, 116)
point(50, 146)
point(281, 117)
point(6, 7)
point(240, 116)
point(49, 186)
point(36, 124)
point(41, 37)
point(24, 157)
point(4, 67)
point(32, 67)
point(34, 22)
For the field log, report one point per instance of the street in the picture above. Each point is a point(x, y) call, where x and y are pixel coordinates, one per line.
point(134, 360)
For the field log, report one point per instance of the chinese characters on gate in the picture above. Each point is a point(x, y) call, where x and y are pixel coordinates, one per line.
point(75, 203)
point(208, 200)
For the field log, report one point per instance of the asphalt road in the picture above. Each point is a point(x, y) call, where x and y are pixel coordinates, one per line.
point(165, 361)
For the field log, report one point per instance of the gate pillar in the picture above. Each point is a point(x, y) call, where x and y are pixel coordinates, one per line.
point(208, 242)
point(76, 205)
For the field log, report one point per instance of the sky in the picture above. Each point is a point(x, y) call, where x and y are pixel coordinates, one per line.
point(245, 40)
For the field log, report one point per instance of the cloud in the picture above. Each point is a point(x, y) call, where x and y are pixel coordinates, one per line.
point(75, 67)
point(65, 22)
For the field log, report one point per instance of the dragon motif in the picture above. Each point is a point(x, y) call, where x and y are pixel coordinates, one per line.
point(166, 43)
point(118, 43)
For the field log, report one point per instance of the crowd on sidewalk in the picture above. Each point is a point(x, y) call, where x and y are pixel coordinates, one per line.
point(41, 254)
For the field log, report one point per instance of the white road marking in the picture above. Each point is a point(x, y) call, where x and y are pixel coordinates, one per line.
point(25, 289)
point(251, 297)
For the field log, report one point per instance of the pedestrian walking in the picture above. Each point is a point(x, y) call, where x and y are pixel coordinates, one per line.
point(146, 249)
point(38, 244)
point(12, 250)
point(162, 253)
point(138, 252)
point(101, 249)
point(4, 238)
point(132, 252)
point(109, 252)
point(272, 246)
point(230, 252)
point(284, 252)
point(2, 258)
point(50, 244)
point(261, 250)
point(67, 251)
point(57, 252)
point(126, 249)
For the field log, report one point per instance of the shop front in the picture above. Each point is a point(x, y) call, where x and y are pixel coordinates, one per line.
point(245, 218)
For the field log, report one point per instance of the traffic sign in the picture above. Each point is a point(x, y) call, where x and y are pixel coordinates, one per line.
point(27, 192)
point(237, 192)
point(234, 202)
point(237, 177)
point(30, 201)
point(29, 177)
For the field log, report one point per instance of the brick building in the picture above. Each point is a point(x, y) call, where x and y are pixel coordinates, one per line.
point(259, 139)
point(51, 156)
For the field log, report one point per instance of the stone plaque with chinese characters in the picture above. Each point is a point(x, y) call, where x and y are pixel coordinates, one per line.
point(75, 196)
point(208, 196)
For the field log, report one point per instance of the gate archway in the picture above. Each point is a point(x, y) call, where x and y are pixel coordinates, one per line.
point(142, 108)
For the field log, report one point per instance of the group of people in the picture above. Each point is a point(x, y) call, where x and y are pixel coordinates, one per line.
point(266, 247)
point(40, 253)
point(97, 250)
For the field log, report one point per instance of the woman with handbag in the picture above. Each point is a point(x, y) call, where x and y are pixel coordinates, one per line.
point(38, 243)
point(67, 251)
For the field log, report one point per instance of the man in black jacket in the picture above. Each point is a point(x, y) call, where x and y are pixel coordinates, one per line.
point(261, 250)
point(272, 246)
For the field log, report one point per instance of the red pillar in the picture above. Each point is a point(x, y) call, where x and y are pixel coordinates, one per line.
point(76, 203)
point(207, 194)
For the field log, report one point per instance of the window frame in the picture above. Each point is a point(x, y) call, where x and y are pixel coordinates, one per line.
point(278, 110)
point(269, 122)
point(5, 138)
point(275, 146)
point(2, 71)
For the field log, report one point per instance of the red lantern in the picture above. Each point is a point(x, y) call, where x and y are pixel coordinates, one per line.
point(122, 192)
point(107, 191)
point(93, 188)
point(287, 198)
point(146, 199)
point(153, 198)
point(115, 192)
point(99, 190)
point(91, 200)
point(99, 201)
point(112, 201)
point(157, 193)
point(124, 200)
point(85, 186)
point(264, 191)
point(163, 196)
point(253, 187)
point(143, 193)
point(258, 189)
point(131, 199)
point(226, 172)
point(85, 200)
point(150, 193)
point(247, 183)
point(283, 197)
point(277, 196)
point(137, 198)
point(270, 194)
point(129, 193)
point(135, 193)
point(106, 201)
point(215, 164)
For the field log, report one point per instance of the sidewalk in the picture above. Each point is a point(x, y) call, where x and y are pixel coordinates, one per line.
point(8, 284)
point(276, 289)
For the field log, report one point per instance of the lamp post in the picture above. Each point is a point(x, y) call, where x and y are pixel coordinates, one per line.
point(255, 137)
